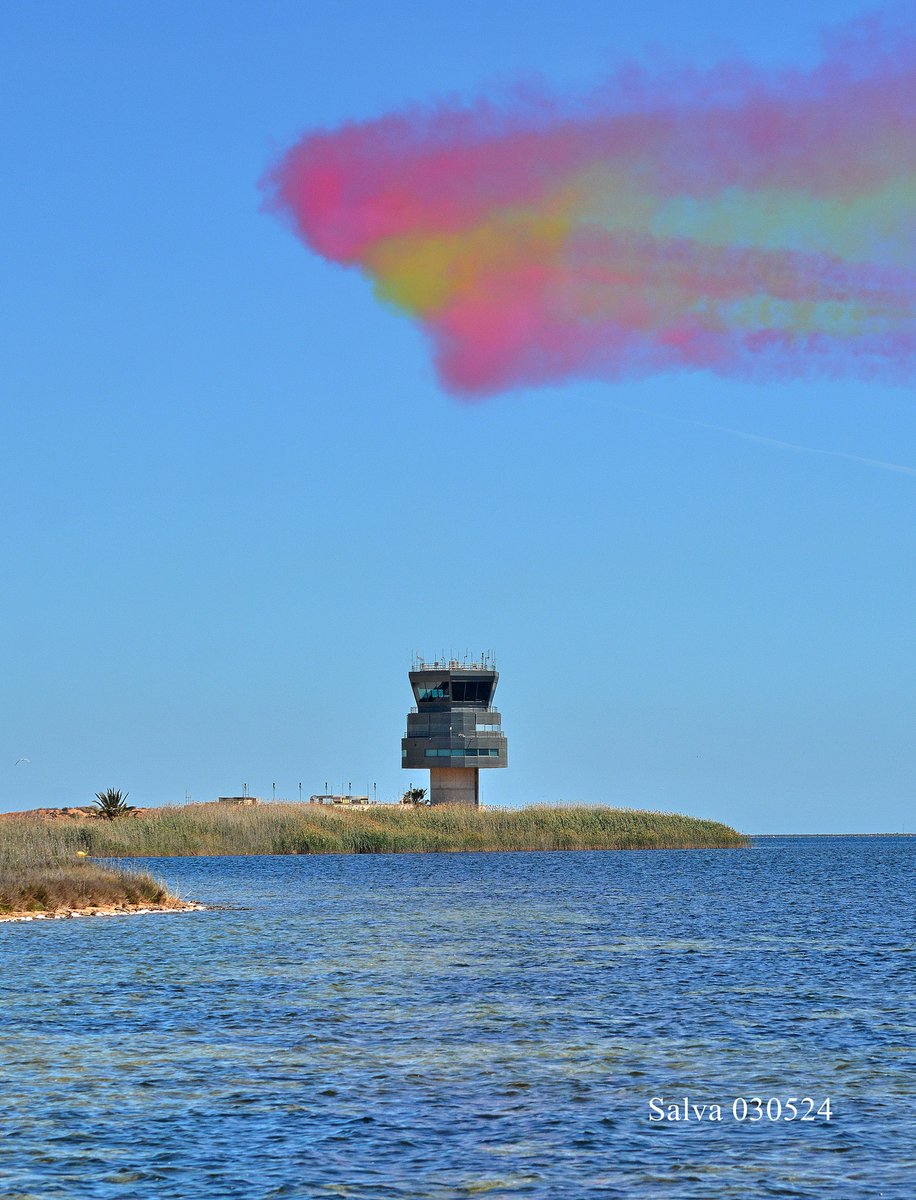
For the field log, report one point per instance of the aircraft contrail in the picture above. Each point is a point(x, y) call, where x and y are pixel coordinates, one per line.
point(777, 443)
point(900, 468)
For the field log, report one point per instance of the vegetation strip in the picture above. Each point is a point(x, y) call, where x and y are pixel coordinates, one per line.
point(43, 872)
point(211, 829)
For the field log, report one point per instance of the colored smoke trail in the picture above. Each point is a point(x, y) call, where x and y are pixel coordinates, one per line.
point(756, 226)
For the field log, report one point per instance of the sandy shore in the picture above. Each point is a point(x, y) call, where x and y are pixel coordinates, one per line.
point(109, 910)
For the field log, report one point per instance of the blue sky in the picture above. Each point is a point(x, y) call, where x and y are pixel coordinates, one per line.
point(237, 500)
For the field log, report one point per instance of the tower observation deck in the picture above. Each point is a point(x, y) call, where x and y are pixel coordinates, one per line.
point(453, 732)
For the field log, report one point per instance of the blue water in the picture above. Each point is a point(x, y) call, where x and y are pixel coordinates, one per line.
point(438, 1026)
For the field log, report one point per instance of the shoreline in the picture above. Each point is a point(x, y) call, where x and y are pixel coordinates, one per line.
point(104, 910)
point(55, 869)
point(137, 857)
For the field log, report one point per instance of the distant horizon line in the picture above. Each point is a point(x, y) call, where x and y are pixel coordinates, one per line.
point(890, 833)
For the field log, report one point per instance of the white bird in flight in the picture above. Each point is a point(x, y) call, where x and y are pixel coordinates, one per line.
point(22, 760)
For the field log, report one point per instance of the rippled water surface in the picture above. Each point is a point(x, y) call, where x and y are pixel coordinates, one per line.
point(453, 1025)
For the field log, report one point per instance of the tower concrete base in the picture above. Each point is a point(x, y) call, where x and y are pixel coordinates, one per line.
point(454, 785)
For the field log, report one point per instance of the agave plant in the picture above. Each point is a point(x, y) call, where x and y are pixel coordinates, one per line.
point(112, 803)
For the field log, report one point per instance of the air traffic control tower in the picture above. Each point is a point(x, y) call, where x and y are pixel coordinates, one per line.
point(453, 732)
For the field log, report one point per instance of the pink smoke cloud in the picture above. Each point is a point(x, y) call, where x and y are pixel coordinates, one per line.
point(750, 225)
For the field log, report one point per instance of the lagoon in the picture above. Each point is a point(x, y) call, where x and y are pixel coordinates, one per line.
point(447, 1025)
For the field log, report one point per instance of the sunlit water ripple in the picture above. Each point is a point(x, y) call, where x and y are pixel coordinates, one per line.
point(437, 1026)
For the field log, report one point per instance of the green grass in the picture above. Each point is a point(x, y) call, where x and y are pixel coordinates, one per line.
point(40, 871)
point(312, 829)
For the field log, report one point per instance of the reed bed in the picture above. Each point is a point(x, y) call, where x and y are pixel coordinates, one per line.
point(211, 829)
point(40, 871)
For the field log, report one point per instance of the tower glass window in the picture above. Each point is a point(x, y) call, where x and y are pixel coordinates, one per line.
point(472, 691)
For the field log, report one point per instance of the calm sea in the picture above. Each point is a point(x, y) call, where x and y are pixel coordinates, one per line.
point(475, 1024)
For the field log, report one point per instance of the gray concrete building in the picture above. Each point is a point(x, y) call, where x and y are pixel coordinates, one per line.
point(453, 732)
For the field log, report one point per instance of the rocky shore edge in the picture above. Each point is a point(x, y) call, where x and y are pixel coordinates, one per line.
point(105, 910)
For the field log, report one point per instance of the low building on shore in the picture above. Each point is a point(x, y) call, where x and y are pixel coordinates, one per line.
point(352, 801)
